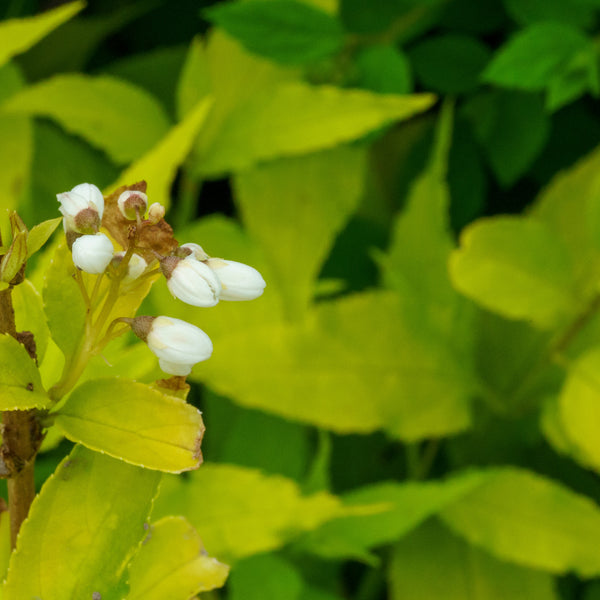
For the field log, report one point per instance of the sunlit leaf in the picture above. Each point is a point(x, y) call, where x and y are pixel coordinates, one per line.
point(527, 519)
point(17, 35)
point(40, 233)
point(133, 422)
point(267, 126)
point(30, 316)
point(240, 512)
point(294, 208)
point(194, 80)
point(20, 383)
point(433, 563)
point(172, 563)
point(83, 529)
point(516, 267)
point(111, 114)
point(159, 165)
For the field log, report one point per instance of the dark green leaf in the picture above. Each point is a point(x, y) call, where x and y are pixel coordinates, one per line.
point(287, 31)
point(384, 69)
point(571, 12)
point(535, 55)
point(450, 63)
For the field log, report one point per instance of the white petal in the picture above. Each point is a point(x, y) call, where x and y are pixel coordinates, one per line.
point(174, 368)
point(197, 250)
point(194, 283)
point(238, 281)
point(177, 341)
point(92, 253)
point(92, 195)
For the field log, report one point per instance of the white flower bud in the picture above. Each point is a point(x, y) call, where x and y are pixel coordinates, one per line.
point(82, 208)
point(191, 281)
point(197, 251)
point(177, 344)
point(136, 266)
point(92, 253)
point(131, 203)
point(238, 281)
point(156, 212)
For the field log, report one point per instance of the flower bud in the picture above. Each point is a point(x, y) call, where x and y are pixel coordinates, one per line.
point(156, 212)
point(132, 203)
point(195, 250)
point(92, 253)
point(177, 344)
point(136, 266)
point(191, 281)
point(82, 208)
point(238, 281)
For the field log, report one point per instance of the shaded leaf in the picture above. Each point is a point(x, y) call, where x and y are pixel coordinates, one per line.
point(194, 81)
point(111, 114)
point(172, 563)
point(30, 316)
point(384, 69)
point(82, 530)
point(288, 31)
point(535, 55)
point(571, 12)
point(433, 563)
point(527, 519)
point(133, 422)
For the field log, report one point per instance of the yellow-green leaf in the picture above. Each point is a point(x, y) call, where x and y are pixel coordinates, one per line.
point(17, 35)
point(267, 126)
point(517, 267)
point(294, 208)
point(433, 563)
point(159, 165)
point(40, 233)
point(82, 530)
point(20, 383)
point(239, 512)
point(527, 519)
point(63, 302)
point(579, 407)
point(134, 422)
point(112, 114)
point(194, 81)
point(172, 564)
point(14, 259)
point(30, 316)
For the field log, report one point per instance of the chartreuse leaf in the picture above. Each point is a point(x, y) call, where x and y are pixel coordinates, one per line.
point(525, 518)
point(322, 371)
point(112, 114)
point(535, 55)
point(570, 205)
point(20, 383)
point(5, 549)
point(16, 149)
point(83, 529)
point(17, 35)
point(239, 512)
point(172, 564)
point(40, 233)
point(321, 191)
point(433, 563)
point(159, 165)
point(516, 267)
point(512, 128)
point(579, 410)
point(194, 81)
point(30, 316)
point(134, 422)
point(267, 126)
point(402, 508)
point(289, 31)
point(63, 303)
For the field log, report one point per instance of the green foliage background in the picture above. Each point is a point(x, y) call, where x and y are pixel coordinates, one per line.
point(412, 409)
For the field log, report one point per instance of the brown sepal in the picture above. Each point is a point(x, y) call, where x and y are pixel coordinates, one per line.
point(157, 238)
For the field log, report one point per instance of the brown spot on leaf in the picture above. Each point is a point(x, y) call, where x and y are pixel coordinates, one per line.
point(26, 338)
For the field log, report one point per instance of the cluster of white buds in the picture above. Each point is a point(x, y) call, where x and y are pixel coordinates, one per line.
point(192, 275)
